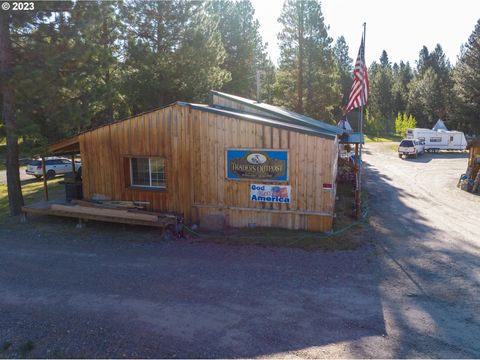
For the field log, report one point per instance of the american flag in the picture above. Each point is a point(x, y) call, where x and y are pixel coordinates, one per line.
point(359, 93)
point(280, 191)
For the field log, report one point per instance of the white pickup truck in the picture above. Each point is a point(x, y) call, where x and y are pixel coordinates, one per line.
point(411, 147)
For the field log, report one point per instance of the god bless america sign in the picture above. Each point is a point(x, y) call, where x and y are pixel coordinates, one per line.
point(270, 193)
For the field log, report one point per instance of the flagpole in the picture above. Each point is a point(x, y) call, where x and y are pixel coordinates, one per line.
point(359, 185)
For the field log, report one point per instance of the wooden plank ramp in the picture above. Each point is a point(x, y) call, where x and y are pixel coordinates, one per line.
point(123, 216)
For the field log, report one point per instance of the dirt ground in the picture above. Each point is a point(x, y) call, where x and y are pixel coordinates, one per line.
point(107, 291)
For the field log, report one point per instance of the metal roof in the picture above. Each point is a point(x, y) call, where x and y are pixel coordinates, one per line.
point(70, 145)
point(258, 119)
point(283, 114)
point(352, 138)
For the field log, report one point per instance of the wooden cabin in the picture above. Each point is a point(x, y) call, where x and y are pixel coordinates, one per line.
point(236, 161)
point(474, 149)
point(474, 158)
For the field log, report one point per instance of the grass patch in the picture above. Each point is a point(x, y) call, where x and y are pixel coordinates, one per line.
point(382, 138)
point(348, 233)
point(344, 205)
point(32, 192)
point(394, 147)
point(272, 237)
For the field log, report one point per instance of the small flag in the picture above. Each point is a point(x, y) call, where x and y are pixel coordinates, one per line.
point(359, 93)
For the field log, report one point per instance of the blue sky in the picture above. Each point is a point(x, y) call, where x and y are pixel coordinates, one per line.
point(400, 27)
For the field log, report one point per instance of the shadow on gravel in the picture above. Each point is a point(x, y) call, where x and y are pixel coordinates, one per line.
point(427, 157)
point(110, 291)
point(434, 305)
point(113, 291)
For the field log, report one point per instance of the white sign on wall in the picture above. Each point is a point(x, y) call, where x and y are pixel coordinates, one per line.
point(270, 193)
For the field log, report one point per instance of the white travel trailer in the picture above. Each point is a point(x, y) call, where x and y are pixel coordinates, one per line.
point(439, 138)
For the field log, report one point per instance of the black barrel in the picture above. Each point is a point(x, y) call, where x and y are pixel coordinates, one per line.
point(73, 191)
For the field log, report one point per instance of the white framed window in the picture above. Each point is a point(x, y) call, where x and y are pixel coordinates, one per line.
point(148, 172)
point(435, 139)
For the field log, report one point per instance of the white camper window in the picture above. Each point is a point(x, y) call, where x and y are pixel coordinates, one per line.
point(148, 172)
point(435, 139)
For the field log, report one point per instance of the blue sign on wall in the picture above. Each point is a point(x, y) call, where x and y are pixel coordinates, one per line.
point(263, 164)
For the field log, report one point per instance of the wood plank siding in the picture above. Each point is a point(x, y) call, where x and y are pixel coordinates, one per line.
point(193, 143)
point(474, 152)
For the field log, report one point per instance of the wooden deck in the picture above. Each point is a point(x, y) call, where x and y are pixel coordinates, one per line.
point(44, 208)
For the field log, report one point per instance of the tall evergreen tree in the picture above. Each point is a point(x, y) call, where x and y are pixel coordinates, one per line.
point(466, 79)
point(98, 39)
point(402, 76)
point(154, 31)
point(308, 79)
point(68, 71)
point(430, 93)
point(15, 198)
point(244, 48)
point(199, 59)
point(173, 50)
point(345, 69)
point(381, 94)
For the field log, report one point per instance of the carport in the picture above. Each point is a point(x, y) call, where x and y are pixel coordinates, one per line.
point(66, 147)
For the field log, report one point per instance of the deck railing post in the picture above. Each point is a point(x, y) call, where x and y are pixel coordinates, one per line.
point(357, 183)
point(44, 171)
point(73, 164)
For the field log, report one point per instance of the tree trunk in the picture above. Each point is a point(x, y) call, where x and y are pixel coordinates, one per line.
point(14, 187)
point(301, 15)
point(108, 84)
point(109, 105)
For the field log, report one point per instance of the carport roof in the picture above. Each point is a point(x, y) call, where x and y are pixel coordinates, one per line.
point(67, 146)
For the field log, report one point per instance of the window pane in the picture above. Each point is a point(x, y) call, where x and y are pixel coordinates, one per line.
point(140, 172)
point(158, 172)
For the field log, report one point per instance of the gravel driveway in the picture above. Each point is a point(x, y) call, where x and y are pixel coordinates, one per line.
point(109, 291)
point(429, 233)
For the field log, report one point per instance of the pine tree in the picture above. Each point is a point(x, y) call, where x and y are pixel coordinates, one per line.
point(430, 92)
point(15, 198)
point(199, 59)
point(173, 50)
point(402, 76)
point(245, 52)
point(345, 68)
point(98, 38)
point(308, 78)
point(466, 79)
point(154, 31)
point(381, 93)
